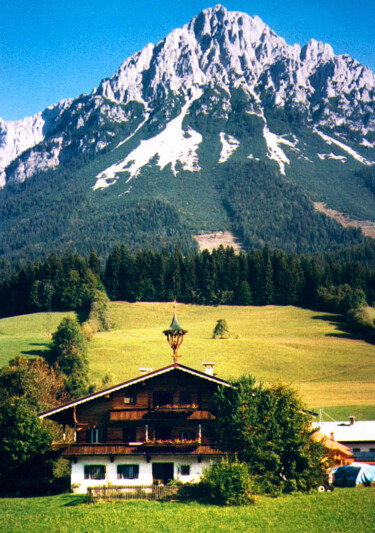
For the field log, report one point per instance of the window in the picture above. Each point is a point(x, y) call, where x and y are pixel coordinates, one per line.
point(95, 435)
point(185, 470)
point(94, 471)
point(185, 397)
point(188, 435)
point(130, 399)
point(356, 449)
point(127, 471)
point(163, 398)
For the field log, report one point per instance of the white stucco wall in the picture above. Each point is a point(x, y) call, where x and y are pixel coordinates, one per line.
point(79, 484)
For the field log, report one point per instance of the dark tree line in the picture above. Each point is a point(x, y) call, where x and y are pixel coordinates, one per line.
point(68, 282)
point(259, 277)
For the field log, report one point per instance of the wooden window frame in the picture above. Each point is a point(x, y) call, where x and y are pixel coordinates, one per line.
point(133, 469)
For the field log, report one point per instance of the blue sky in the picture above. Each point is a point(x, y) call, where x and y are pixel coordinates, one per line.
point(55, 49)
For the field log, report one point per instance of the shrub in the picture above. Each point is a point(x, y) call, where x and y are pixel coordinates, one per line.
point(227, 483)
point(341, 298)
point(99, 317)
point(87, 331)
point(26, 462)
point(360, 322)
point(221, 330)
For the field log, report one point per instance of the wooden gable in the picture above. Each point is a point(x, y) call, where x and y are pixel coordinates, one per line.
point(175, 385)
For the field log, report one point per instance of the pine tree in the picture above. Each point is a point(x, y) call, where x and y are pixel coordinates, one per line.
point(68, 355)
point(243, 294)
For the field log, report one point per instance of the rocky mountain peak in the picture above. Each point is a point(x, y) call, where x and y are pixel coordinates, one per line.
point(316, 52)
point(217, 48)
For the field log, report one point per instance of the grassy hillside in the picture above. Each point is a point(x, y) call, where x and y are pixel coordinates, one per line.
point(27, 334)
point(344, 510)
point(306, 348)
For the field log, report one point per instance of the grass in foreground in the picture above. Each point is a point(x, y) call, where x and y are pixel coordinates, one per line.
point(344, 510)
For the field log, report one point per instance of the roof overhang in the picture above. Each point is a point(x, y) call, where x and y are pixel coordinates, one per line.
point(58, 412)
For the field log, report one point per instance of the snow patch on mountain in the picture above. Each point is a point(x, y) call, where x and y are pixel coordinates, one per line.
point(173, 145)
point(229, 145)
point(274, 151)
point(331, 155)
point(366, 143)
point(330, 140)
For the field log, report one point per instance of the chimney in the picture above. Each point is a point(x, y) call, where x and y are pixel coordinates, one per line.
point(209, 368)
point(144, 371)
point(352, 420)
point(332, 435)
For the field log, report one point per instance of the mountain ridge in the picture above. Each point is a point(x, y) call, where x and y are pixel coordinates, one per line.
point(261, 47)
point(222, 90)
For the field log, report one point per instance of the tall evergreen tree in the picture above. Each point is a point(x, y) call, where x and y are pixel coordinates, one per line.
point(68, 355)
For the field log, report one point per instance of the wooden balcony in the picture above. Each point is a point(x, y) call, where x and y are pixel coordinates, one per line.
point(180, 445)
point(160, 413)
point(79, 450)
point(176, 407)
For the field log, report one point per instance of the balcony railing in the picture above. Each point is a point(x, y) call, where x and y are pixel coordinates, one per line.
point(162, 412)
point(172, 442)
point(81, 449)
point(176, 407)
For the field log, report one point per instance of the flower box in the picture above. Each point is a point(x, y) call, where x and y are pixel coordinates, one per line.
point(176, 407)
point(171, 442)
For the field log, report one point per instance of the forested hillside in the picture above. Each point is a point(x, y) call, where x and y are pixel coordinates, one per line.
point(259, 277)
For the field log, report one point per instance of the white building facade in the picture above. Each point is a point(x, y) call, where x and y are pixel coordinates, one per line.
point(92, 471)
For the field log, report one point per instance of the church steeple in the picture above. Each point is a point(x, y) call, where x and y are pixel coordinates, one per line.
point(175, 334)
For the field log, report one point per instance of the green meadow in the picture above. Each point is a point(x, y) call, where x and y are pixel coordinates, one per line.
point(344, 510)
point(305, 348)
point(27, 334)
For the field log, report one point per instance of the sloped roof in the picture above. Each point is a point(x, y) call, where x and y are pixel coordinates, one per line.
point(134, 381)
point(331, 444)
point(360, 431)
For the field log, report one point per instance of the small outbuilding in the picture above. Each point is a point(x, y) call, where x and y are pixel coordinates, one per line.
point(358, 436)
point(337, 453)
